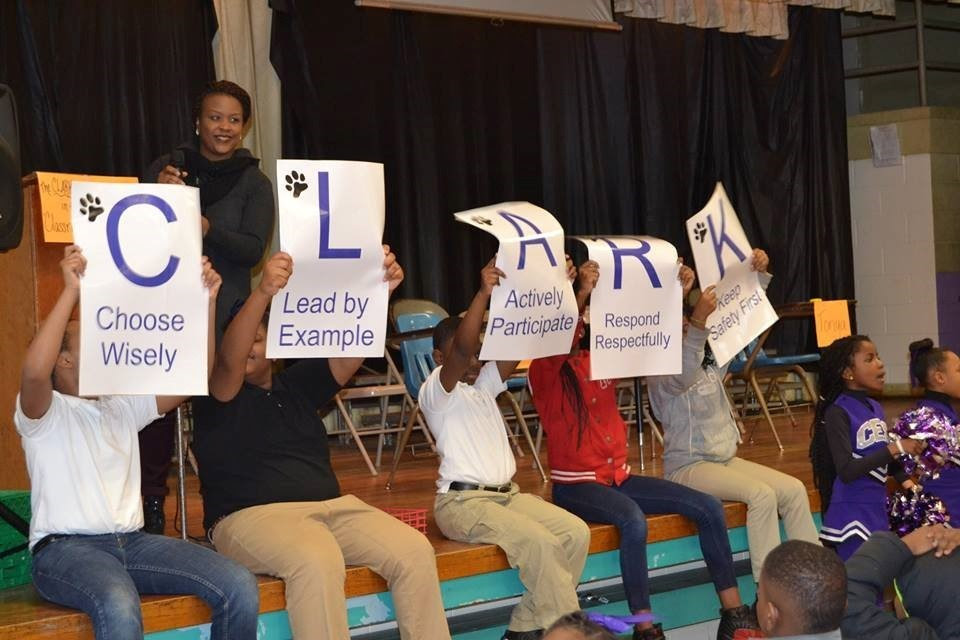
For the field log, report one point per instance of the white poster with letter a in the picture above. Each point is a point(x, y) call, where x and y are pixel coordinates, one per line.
point(533, 313)
point(636, 309)
point(331, 224)
point(143, 309)
point(722, 255)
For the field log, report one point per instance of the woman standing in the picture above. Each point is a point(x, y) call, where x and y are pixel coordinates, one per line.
point(237, 208)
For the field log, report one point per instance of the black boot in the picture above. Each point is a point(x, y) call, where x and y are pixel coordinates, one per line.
point(654, 633)
point(536, 634)
point(743, 617)
point(153, 518)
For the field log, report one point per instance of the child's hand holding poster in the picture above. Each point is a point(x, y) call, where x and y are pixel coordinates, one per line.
point(144, 311)
point(331, 223)
point(533, 313)
point(636, 308)
point(722, 255)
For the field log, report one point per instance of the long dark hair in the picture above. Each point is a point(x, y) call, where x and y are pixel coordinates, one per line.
point(924, 357)
point(833, 360)
point(573, 396)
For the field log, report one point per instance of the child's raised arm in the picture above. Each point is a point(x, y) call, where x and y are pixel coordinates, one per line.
point(212, 282)
point(36, 383)
point(466, 341)
point(230, 368)
point(343, 369)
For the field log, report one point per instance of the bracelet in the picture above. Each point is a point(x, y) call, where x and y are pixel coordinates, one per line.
point(900, 448)
point(699, 324)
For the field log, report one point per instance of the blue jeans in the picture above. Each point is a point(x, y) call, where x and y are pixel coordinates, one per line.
point(625, 507)
point(104, 575)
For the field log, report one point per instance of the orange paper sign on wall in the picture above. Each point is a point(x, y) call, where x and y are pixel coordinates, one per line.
point(833, 320)
point(55, 201)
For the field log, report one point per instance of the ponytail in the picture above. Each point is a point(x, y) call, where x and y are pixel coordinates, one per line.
point(833, 360)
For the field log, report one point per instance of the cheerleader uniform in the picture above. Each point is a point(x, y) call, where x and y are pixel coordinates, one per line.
point(947, 486)
point(857, 437)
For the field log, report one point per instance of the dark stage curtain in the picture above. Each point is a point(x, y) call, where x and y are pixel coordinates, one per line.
point(107, 86)
point(613, 133)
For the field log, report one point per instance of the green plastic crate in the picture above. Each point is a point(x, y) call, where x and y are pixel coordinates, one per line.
point(14, 567)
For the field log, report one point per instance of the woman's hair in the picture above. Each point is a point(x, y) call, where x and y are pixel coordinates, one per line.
point(833, 360)
point(227, 88)
point(923, 358)
point(580, 623)
point(574, 397)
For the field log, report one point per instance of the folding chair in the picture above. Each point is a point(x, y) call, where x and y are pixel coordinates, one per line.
point(753, 365)
point(390, 385)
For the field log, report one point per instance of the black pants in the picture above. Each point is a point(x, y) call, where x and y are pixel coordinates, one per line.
point(157, 441)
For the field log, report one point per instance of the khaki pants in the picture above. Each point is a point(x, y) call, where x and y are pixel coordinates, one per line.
point(547, 544)
point(308, 544)
point(766, 492)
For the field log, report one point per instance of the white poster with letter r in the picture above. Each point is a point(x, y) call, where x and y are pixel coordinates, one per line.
point(533, 313)
point(636, 308)
point(144, 310)
point(722, 254)
point(331, 224)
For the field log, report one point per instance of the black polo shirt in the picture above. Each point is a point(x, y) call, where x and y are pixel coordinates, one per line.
point(266, 446)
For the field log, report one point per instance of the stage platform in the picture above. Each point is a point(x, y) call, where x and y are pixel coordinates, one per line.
point(471, 575)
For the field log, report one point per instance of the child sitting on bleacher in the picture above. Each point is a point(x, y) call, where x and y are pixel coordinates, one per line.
point(84, 464)
point(700, 439)
point(587, 446)
point(476, 498)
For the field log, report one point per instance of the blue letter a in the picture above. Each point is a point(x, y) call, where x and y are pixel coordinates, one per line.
point(514, 219)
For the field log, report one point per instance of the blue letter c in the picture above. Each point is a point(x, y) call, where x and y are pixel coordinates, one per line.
point(113, 239)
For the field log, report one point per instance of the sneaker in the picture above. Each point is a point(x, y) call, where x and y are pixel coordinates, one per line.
point(743, 617)
point(153, 518)
point(654, 633)
point(536, 634)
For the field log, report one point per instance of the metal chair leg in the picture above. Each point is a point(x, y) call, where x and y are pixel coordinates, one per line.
point(355, 434)
point(763, 405)
point(526, 432)
point(181, 474)
point(401, 443)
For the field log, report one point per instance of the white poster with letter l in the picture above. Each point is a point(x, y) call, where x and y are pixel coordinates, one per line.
point(636, 309)
point(722, 255)
point(533, 313)
point(144, 310)
point(331, 224)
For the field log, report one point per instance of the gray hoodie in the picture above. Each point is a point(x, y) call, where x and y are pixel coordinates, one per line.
point(697, 421)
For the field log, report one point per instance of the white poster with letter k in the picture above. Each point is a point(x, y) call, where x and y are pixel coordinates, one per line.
point(722, 255)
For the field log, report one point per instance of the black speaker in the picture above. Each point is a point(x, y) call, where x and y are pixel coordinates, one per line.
point(11, 197)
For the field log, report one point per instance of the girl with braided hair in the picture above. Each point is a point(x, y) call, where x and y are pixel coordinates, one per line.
point(850, 452)
point(937, 370)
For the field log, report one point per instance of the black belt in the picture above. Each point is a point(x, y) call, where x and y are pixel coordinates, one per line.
point(467, 486)
point(45, 540)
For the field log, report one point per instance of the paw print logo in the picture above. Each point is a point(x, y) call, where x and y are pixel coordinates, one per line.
point(296, 183)
point(90, 207)
point(482, 220)
point(700, 232)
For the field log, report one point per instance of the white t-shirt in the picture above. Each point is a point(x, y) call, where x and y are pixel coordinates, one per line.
point(83, 457)
point(469, 429)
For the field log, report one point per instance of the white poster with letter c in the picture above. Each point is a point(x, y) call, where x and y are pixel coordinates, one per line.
point(636, 308)
point(533, 313)
point(144, 310)
point(331, 224)
point(722, 255)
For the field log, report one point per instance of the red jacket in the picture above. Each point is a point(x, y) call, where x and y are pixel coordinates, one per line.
point(601, 455)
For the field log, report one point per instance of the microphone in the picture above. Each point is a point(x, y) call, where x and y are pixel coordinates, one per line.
point(179, 160)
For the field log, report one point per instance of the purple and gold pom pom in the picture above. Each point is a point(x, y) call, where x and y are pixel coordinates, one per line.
point(934, 428)
point(909, 510)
